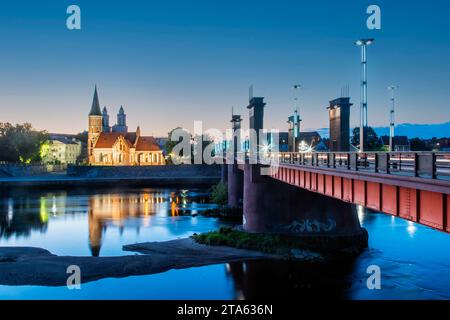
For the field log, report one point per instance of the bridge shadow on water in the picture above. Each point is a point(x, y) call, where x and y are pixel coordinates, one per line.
point(291, 280)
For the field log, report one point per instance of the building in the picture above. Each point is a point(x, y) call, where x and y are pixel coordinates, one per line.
point(443, 144)
point(339, 114)
point(400, 143)
point(283, 143)
point(62, 149)
point(306, 142)
point(311, 141)
point(115, 146)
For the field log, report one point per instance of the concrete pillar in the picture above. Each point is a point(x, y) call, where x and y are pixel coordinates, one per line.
point(235, 176)
point(256, 117)
point(235, 186)
point(339, 114)
point(272, 206)
point(224, 174)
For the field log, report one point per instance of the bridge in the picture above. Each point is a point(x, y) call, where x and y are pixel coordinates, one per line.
point(413, 186)
point(319, 194)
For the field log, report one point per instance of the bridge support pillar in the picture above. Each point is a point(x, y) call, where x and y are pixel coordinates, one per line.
point(271, 206)
point(224, 174)
point(235, 186)
point(235, 176)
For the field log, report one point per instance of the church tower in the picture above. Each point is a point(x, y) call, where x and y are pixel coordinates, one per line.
point(95, 126)
point(121, 125)
point(106, 127)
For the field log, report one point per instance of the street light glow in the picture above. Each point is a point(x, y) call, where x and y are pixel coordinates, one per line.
point(364, 42)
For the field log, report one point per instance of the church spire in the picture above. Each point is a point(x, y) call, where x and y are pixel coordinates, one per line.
point(138, 131)
point(95, 109)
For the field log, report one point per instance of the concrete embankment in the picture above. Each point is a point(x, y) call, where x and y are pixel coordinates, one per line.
point(99, 176)
point(11, 170)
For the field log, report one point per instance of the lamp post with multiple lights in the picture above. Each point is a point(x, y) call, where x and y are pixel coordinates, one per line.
point(392, 118)
point(296, 117)
point(363, 43)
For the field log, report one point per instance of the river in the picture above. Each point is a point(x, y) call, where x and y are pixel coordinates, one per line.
point(413, 259)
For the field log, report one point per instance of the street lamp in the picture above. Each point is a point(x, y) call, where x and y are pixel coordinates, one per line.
point(363, 43)
point(296, 118)
point(392, 122)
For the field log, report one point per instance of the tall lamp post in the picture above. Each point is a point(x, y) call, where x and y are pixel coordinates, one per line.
point(392, 118)
point(296, 117)
point(363, 43)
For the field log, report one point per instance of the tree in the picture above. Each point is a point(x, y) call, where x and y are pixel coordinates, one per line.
point(169, 145)
point(206, 140)
point(83, 138)
point(21, 143)
point(373, 142)
point(194, 142)
point(219, 194)
point(418, 144)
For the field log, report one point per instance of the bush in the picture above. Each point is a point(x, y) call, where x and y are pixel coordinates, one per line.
point(219, 194)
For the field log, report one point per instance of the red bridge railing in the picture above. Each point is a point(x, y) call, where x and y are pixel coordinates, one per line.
point(432, 165)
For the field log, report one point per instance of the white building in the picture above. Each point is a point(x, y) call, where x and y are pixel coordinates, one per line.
point(62, 150)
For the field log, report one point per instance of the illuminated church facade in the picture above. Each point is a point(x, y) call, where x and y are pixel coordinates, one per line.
point(115, 146)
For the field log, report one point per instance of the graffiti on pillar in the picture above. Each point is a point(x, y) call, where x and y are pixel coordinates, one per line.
point(310, 226)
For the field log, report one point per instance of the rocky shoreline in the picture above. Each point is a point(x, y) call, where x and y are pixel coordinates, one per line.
point(35, 266)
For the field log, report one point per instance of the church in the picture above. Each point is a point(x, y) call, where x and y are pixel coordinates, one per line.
point(115, 146)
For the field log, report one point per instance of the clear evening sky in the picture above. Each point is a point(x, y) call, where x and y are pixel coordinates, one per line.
point(172, 62)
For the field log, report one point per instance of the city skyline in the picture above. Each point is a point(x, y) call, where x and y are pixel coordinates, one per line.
point(172, 64)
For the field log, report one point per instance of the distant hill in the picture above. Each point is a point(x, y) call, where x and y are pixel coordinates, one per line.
point(423, 131)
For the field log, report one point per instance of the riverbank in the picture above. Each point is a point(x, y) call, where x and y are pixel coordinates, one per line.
point(93, 176)
point(36, 266)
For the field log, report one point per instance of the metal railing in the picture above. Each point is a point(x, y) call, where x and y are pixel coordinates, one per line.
point(433, 165)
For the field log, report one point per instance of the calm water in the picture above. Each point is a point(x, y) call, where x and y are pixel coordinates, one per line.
point(414, 260)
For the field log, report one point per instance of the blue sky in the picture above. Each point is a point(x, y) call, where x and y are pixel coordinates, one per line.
point(170, 63)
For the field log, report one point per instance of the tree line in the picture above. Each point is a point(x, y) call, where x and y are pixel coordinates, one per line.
point(21, 143)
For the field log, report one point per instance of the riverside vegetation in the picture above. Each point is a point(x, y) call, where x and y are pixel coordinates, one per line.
point(282, 245)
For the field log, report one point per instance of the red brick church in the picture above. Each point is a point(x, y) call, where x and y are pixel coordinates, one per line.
point(115, 146)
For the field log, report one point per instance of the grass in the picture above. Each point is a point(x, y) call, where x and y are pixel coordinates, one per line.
point(284, 244)
point(227, 236)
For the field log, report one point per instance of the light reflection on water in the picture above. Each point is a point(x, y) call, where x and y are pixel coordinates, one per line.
point(412, 258)
point(100, 223)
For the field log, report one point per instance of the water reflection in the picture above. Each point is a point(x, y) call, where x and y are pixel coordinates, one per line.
point(21, 225)
point(119, 210)
point(412, 229)
point(23, 214)
point(99, 222)
point(286, 280)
